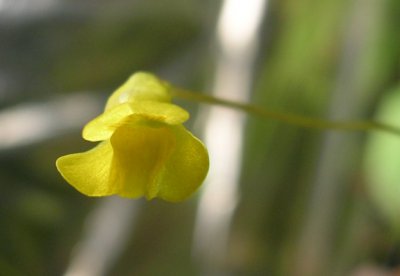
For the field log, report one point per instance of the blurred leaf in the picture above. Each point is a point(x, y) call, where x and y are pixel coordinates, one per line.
point(382, 162)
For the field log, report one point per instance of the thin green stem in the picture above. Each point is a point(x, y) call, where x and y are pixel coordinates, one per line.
point(289, 118)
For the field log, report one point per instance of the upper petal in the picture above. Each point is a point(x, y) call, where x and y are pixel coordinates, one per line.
point(103, 126)
point(141, 86)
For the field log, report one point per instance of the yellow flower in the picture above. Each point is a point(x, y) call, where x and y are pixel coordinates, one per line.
point(145, 149)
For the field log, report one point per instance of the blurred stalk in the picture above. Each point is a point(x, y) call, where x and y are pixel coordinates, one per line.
point(287, 117)
point(31, 123)
point(316, 251)
point(106, 233)
point(237, 37)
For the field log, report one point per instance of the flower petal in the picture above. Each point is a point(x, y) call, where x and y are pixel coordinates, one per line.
point(161, 112)
point(185, 169)
point(89, 172)
point(140, 154)
point(103, 126)
point(141, 86)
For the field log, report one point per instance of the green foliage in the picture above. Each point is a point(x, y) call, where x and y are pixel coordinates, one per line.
point(382, 163)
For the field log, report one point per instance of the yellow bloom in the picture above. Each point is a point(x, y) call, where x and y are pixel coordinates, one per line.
point(144, 150)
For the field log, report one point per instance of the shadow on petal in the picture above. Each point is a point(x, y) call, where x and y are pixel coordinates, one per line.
point(140, 154)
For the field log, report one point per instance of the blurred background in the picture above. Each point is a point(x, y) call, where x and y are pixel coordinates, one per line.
point(279, 199)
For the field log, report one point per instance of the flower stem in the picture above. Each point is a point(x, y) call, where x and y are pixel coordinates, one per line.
point(289, 118)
